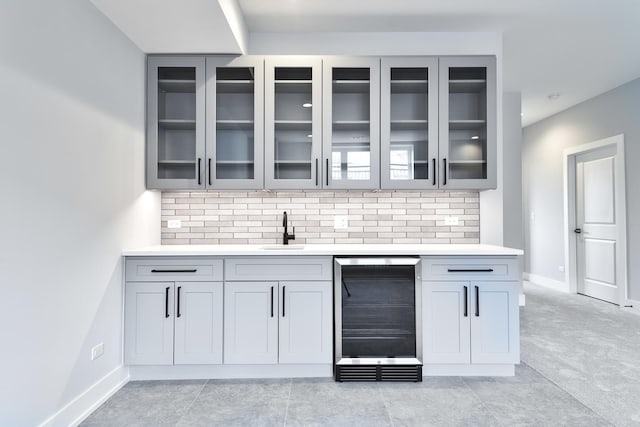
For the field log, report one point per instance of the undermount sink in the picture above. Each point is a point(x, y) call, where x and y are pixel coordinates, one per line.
point(282, 247)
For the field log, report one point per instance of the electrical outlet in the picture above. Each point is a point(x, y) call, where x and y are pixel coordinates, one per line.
point(533, 216)
point(561, 268)
point(340, 222)
point(97, 351)
point(450, 220)
point(174, 223)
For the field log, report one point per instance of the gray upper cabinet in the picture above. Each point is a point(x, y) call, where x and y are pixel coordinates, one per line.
point(351, 122)
point(293, 117)
point(467, 125)
point(234, 122)
point(175, 122)
point(409, 123)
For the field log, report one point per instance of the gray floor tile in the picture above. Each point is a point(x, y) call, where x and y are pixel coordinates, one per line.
point(147, 403)
point(438, 401)
point(320, 403)
point(239, 403)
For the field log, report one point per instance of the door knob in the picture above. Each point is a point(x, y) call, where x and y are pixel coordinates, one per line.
point(578, 230)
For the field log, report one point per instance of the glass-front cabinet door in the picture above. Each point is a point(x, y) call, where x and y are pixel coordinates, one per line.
point(468, 135)
point(293, 117)
point(234, 122)
point(175, 122)
point(408, 123)
point(351, 126)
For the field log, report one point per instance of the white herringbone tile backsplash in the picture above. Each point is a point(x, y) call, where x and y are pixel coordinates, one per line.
point(255, 217)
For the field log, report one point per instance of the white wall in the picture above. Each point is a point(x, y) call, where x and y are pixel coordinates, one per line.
point(72, 193)
point(609, 114)
point(392, 44)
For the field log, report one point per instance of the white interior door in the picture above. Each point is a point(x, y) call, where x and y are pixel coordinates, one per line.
point(597, 225)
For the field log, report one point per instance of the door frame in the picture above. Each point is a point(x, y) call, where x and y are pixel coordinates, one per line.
point(570, 190)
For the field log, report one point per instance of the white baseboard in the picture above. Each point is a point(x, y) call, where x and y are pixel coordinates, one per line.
point(189, 372)
point(556, 285)
point(80, 407)
point(472, 370)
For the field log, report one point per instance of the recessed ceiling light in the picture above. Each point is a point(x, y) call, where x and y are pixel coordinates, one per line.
point(307, 105)
point(521, 114)
point(553, 96)
point(475, 137)
point(309, 136)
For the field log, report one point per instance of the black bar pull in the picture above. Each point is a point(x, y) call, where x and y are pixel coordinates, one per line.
point(166, 302)
point(466, 301)
point(193, 270)
point(178, 310)
point(444, 171)
point(470, 270)
point(578, 230)
point(434, 172)
point(272, 301)
point(327, 162)
point(199, 175)
point(477, 302)
point(209, 171)
point(283, 300)
point(316, 171)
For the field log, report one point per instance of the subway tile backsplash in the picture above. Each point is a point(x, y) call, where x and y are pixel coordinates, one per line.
point(255, 217)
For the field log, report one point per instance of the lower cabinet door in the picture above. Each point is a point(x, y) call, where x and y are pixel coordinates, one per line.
point(447, 311)
point(251, 323)
point(198, 323)
point(495, 323)
point(306, 319)
point(148, 330)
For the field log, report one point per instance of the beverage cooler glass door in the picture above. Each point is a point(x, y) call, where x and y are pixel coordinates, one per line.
point(378, 313)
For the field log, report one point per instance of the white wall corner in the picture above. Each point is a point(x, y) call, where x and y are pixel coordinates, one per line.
point(235, 18)
point(546, 282)
point(80, 407)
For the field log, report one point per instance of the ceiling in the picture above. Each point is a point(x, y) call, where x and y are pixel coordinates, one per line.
point(575, 48)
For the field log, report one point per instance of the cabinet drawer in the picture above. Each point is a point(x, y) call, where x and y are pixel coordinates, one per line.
point(173, 269)
point(470, 268)
point(267, 268)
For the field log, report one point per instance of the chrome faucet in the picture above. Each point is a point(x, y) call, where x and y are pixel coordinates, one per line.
point(286, 236)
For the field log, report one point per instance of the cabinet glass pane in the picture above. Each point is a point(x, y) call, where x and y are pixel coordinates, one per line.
point(409, 108)
point(468, 123)
point(293, 131)
point(235, 123)
point(176, 122)
point(350, 135)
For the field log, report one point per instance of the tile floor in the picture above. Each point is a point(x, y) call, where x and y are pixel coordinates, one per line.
point(581, 367)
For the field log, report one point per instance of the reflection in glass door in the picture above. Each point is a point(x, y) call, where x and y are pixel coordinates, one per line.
point(351, 123)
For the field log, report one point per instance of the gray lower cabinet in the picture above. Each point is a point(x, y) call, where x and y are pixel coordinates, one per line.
point(173, 323)
point(278, 322)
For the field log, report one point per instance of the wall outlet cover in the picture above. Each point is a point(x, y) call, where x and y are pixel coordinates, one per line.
point(97, 351)
point(450, 220)
point(174, 223)
point(340, 222)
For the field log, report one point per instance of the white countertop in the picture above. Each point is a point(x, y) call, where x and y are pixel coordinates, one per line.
point(327, 249)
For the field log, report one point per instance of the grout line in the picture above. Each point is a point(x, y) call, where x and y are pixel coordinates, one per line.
point(570, 394)
point(477, 396)
point(286, 411)
point(384, 403)
point(193, 401)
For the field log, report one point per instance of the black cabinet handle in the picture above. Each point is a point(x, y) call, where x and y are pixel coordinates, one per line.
point(316, 171)
point(471, 270)
point(477, 302)
point(272, 301)
point(209, 171)
point(578, 230)
point(166, 302)
point(199, 175)
point(434, 172)
point(327, 162)
point(175, 271)
point(466, 301)
point(444, 171)
point(178, 310)
point(283, 300)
